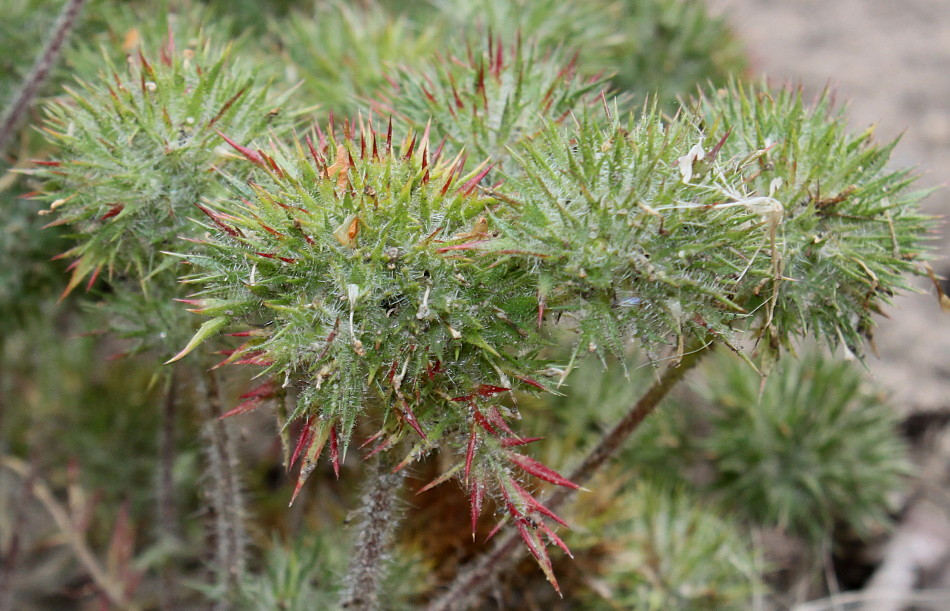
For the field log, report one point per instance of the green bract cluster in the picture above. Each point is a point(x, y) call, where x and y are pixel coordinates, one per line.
point(351, 261)
point(824, 452)
point(662, 549)
point(693, 228)
point(621, 242)
point(344, 53)
point(137, 150)
point(851, 228)
point(660, 48)
point(492, 98)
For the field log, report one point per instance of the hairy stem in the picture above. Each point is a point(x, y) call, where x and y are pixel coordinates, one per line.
point(471, 581)
point(376, 529)
point(167, 513)
point(20, 104)
point(224, 492)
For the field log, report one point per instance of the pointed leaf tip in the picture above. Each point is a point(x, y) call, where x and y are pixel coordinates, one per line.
point(204, 332)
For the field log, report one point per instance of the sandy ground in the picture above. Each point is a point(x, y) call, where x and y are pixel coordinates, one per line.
point(890, 61)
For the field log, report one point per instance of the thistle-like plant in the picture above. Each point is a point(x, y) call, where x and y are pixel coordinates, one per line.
point(825, 450)
point(377, 280)
point(663, 231)
point(137, 151)
point(850, 231)
point(663, 49)
point(345, 53)
point(348, 258)
point(403, 297)
point(493, 97)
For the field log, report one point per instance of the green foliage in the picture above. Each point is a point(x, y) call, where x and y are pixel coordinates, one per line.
point(303, 574)
point(385, 289)
point(620, 242)
point(659, 48)
point(493, 98)
point(137, 149)
point(355, 277)
point(816, 450)
point(26, 277)
point(347, 263)
point(21, 34)
point(670, 49)
point(644, 233)
point(660, 549)
point(851, 228)
point(344, 54)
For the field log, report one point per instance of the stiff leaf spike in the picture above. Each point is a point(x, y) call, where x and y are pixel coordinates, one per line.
point(206, 330)
point(537, 548)
point(441, 479)
point(535, 504)
point(303, 442)
point(487, 390)
point(529, 381)
point(251, 155)
point(553, 537)
point(477, 497)
point(410, 417)
point(469, 187)
point(470, 453)
point(244, 407)
point(321, 431)
point(482, 420)
point(373, 438)
point(334, 452)
point(540, 470)
point(511, 442)
point(114, 209)
point(495, 417)
point(93, 277)
point(216, 218)
point(254, 399)
point(80, 268)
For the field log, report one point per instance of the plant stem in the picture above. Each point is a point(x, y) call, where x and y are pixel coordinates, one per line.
point(19, 105)
point(376, 529)
point(224, 492)
point(113, 590)
point(11, 555)
point(473, 580)
point(167, 514)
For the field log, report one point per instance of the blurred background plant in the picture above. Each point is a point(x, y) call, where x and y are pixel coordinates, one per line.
point(636, 540)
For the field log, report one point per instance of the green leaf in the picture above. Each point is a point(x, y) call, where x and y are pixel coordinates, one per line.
point(207, 330)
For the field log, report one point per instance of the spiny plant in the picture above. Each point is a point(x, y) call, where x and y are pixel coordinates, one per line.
point(491, 98)
point(663, 49)
point(135, 154)
point(348, 258)
point(653, 231)
point(345, 55)
point(376, 280)
point(737, 235)
point(825, 452)
point(392, 289)
point(850, 231)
